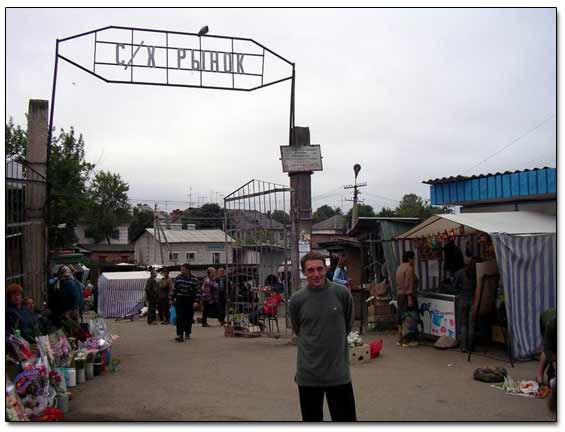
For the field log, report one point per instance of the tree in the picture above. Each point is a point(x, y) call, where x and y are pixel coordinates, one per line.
point(16, 140)
point(281, 217)
point(140, 220)
point(386, 212)
point(363, 210)
point(412, 205)
point(209, 216)
point(108, 204)
point(322, 213)
point(67, 174)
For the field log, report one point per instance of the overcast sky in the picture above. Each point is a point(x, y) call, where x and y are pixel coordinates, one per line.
point(410, 94)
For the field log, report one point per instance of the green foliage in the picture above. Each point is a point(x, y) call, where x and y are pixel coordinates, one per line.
point(281, 217)
point(324, 212)
point(108, 205)
point(68, 174)
point(209, 216)
point(412, 206)
point(140, 220)
point(363, 210)
point(16, 140)
point(386, 212)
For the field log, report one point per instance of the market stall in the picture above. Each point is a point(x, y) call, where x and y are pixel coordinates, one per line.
point(522, 246)
point(40, 377)
point(120, 292)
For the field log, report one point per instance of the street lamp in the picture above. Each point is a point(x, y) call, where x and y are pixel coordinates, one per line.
point(203, 31)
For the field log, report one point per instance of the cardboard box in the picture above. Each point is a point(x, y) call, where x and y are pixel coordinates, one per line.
point(498, 334)
point(359, 354)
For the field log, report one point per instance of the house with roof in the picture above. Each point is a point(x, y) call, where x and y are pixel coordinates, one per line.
point(525, 190)
point(177, 246)
point(328, 230)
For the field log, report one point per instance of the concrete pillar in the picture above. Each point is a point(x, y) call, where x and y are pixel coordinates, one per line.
point(35, 231)
point(301, 206)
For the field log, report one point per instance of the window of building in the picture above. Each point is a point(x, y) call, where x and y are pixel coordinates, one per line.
point(102, 258)
point(115, 234)
point(173, 256)
point(191, 257)
point(216, 256)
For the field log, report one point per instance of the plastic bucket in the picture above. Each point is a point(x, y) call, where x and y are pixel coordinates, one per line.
point(62, 374)
point(81, 376)
point(89, 371)
point(108, 361)
point(72, 374)
point(52, 398)
point(63, 402)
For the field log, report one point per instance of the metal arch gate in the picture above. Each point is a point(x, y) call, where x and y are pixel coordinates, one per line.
point(259, 259)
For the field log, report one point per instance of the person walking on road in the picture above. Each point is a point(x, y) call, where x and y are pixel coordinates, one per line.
point(165, 288)
point(222, 282)
point(322, 316)
point(209, 297)
point(151, 297)
point(184, 296)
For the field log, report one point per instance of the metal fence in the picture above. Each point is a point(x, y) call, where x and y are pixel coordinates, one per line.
point(25, 232)
point(257, 218)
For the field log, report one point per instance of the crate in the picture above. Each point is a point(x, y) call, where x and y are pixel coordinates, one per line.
point(359, 354)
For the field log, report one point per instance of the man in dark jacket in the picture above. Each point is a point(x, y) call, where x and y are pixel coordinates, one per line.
point(185, 296)
point(152, 297)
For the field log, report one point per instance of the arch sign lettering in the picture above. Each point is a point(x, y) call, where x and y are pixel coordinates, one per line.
point(127, 55)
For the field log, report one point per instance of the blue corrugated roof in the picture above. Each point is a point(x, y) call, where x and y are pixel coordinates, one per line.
point(493, 187)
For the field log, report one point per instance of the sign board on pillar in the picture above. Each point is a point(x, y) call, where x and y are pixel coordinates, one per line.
point(301, 158)
point(303, 249)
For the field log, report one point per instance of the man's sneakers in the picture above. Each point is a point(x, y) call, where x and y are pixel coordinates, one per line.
point(205, 325)
point(179, 339)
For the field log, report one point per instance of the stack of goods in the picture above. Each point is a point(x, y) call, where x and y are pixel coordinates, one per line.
point(42, 374)
point(381, 314)
point(240, 326)
point(359, 352)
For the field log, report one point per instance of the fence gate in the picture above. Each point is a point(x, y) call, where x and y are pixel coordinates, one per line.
point(25, 234)
point(257, 219)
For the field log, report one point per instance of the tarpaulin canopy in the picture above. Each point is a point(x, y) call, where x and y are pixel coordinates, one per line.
point(518, 222)
point(120, 292)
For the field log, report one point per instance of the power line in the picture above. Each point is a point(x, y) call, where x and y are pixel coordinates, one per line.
point(514, 141)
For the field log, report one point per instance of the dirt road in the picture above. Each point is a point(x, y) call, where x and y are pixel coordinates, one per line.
point(214, 378)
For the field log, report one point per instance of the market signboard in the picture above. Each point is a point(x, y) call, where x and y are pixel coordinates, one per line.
point(301, 158)
point(129, 55)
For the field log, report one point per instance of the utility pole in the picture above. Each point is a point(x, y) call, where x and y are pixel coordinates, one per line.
point(355, 187)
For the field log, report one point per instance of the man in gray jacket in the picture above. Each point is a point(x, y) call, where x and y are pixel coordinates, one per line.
point(321, 316)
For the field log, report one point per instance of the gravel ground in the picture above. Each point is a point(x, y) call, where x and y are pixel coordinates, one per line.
point(214, 378)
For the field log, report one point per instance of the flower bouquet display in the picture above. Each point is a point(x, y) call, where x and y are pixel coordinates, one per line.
point(61, 347)
point(32, 385)
point(22, 348)
point(14, 407)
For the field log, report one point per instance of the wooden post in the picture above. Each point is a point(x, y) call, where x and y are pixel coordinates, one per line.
point(35, 230)
point(301, 206)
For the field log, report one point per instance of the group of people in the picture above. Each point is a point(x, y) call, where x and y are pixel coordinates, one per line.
point(186, 294)
point(64, 308)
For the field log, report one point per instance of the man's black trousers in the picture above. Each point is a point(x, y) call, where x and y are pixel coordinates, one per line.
point(185, 312)
point(341, 403)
